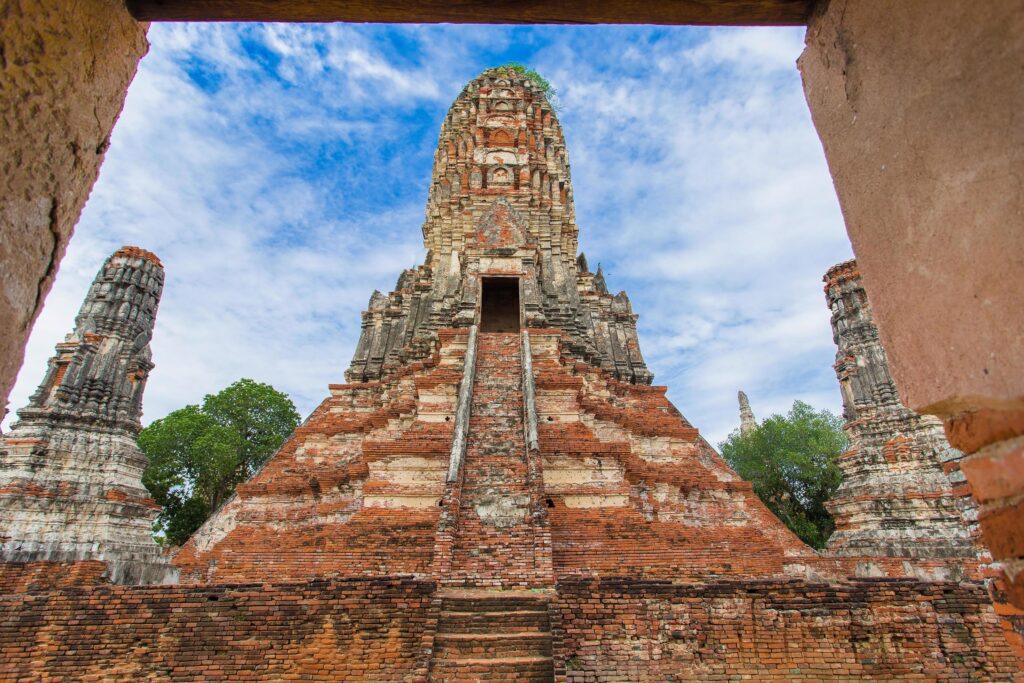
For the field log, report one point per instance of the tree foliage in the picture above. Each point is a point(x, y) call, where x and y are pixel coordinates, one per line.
point(792, 462)
point(198, 454)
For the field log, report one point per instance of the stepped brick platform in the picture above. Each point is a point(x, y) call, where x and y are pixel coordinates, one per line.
point(497, 494)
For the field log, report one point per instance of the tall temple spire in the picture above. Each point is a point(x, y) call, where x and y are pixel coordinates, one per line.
point(501, 203)
point(747, 421)
point(70, 482)
point(896, 499)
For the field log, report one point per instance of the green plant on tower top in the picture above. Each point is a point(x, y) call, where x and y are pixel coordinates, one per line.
point(531, 74)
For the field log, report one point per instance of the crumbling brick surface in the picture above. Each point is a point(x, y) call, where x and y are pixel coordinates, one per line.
point(635, 491)
point(877, 630)
point(613, 629)
point(354, 630)
point(33, 577)
point(354, 492)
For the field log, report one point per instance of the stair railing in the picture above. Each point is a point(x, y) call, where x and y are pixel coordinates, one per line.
point(543, 567)
point(529, 396)
point(462, 409)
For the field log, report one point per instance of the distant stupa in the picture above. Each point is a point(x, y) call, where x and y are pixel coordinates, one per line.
point(747, 421)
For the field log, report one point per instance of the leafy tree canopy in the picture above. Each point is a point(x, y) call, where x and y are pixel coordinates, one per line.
point(792, 462)
point(198, 454)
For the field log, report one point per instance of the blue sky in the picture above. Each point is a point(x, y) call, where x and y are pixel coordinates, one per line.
point(281, 173)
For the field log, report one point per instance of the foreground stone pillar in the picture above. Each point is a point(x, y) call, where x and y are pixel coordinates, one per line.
point(918, 107)
point(64, 71)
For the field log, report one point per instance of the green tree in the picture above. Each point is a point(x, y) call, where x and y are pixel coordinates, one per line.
point(792, 462)
point(198, 454)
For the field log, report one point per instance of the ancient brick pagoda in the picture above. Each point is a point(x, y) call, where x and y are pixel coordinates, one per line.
point(70, 470)
point(903, 496)
point(498, 493)
point(576, 469)
point(897, 497)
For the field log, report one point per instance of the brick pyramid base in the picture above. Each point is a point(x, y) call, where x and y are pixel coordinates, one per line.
point(622, 548)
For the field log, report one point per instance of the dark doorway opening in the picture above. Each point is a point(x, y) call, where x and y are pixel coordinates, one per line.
point(499, 310)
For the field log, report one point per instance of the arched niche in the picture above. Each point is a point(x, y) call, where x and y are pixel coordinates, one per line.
point(499, 176)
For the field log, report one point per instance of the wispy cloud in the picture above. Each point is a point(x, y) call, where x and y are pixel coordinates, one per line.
point(280, 172)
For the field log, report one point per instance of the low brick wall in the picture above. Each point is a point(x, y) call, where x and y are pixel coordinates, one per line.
point(602, 630)
point(880, 630)
point(354, 630)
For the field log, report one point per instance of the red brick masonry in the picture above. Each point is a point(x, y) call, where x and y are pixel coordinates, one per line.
point(601, 629)
point(874, 630)
point(353, 630)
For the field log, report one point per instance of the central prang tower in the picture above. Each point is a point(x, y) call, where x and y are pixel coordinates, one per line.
point(500, 206)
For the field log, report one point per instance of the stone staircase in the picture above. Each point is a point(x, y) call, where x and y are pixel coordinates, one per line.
point(492, 635)
point(491, 628)
point(494, 545)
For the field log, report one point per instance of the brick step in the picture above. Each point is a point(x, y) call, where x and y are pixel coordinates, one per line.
point(491, 645)
point(484, 467)
point(496, 423)
point(497, 621)
point(494, 449)
point(526, 669)
point(486, 601)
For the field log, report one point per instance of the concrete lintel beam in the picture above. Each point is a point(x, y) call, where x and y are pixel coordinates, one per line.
point(696, 12)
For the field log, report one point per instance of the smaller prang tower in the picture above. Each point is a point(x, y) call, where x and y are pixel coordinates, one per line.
point(70, 469)
point(747, 421)
point(896, 499)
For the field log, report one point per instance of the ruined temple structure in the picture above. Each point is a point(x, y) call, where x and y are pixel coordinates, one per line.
point(903, 494)
point(747, 421)
point(70, 470)
point(498, 493)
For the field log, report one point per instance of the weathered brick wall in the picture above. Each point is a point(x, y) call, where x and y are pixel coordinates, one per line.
point(601, 630)
point(33, 577)
point(354, 492)
point(356, 630)
point(881, 630)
